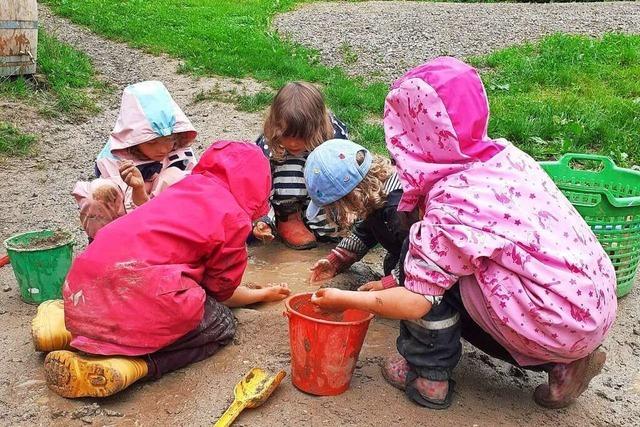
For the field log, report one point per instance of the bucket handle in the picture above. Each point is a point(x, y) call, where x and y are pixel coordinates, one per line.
point(608, 163)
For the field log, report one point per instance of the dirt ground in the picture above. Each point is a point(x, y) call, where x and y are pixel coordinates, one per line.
point(35, 194)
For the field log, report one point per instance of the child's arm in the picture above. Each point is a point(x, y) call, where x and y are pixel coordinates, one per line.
point(394, 303)
point(350, 249)
point(244, 295)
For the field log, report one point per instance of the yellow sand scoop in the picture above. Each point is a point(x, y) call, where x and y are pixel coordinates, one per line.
point(251, 392)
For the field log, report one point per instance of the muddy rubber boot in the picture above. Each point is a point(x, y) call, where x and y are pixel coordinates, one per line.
point(47, 328)
point(395, 371)
point(73, 375)
point(425, 392)
point(295, 234)
point(568, 381)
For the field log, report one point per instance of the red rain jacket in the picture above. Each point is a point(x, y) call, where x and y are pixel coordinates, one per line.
point(141, 284)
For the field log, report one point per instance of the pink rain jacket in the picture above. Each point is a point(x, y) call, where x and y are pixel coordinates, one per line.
point(147, 111)
point(531, 272)
point(141, 284)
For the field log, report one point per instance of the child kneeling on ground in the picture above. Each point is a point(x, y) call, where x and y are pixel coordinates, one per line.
point(151, 293)
point(499, 256)
point(298, 121)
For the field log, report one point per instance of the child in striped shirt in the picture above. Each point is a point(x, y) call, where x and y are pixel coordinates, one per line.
point(298, 121)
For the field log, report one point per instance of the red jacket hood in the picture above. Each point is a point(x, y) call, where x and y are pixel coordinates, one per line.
point(244, 169)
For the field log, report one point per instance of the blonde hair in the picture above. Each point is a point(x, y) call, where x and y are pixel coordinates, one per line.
point(297, 111)
point(365, 198)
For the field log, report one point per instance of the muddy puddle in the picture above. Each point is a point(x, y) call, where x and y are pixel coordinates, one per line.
point(274, 263)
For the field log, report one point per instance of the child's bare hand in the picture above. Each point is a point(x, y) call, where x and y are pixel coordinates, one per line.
point(130, 174)
point(107, 194)
point(276, 292)
point(371, 286)
point(329, 299)
point(322, 270)
point(262, 231)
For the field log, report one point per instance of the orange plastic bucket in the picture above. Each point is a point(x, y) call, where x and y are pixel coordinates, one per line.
point(324, 345)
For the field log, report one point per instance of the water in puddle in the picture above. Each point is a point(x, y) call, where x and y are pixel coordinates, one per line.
point(275, 263)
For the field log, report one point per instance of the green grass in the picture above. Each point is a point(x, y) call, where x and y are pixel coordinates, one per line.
point(63, 81)
point(64, 84)
point(14, 142)
point(229, 38)
point(564, 94)
point(568, 93)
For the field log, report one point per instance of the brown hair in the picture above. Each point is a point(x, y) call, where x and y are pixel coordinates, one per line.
point(297, 111)
point(181, 139)
point(368, 195)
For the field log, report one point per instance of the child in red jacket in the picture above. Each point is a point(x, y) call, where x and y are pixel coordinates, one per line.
point(151, 293)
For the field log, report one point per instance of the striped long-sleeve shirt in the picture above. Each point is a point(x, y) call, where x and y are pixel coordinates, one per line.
point(382, 227)
point(289, 191)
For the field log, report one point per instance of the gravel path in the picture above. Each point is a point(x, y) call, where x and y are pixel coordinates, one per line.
point(383, 39)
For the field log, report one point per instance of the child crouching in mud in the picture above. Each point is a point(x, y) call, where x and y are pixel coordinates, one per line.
point(367, 197)
point(152, 293)
point(499, 256)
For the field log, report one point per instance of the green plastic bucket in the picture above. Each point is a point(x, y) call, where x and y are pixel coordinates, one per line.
point(608, 198)
point(40, 261)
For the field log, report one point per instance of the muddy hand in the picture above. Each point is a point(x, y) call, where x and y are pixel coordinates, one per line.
point(371, 286)
point(107, 194)
point(322, 270)
point(276, 292)
point(330, 299)
point(262, 231)
point(130, 174)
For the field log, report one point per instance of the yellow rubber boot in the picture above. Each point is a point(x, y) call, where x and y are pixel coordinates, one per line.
point(47, 328)
point(73, 375)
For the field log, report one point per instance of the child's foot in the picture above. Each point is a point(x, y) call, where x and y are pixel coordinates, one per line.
point(433, 394)
point(295, 234)
point(395, 371)
point(71, 375)
point(568, 381)
point(47, 328)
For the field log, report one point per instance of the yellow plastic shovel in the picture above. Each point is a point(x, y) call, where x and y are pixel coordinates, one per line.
point(251, 392)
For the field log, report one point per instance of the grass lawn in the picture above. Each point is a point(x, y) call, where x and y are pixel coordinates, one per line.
point(64, 80)
point(14, 142)
point(564, 94)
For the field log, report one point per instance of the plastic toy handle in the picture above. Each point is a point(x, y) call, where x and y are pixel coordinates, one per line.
point(230, 414)
point(607, 161)
point(4, 260)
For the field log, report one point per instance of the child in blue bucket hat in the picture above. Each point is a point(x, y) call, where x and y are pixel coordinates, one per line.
point(361, 191)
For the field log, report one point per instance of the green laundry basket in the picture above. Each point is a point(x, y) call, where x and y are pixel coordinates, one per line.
point(40, 261)
point(608, 198)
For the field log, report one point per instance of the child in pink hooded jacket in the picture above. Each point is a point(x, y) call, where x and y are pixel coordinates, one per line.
point(499, 257)
point(148, 151)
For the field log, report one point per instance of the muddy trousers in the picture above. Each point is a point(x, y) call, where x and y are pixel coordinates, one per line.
point(432, 344)
point(216, 330)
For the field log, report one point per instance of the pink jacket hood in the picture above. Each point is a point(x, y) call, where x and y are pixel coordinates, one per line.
point(435, 122)
point(147, 111)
